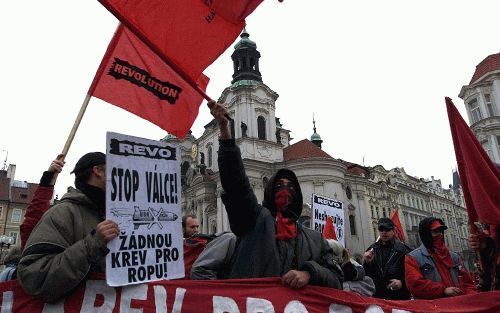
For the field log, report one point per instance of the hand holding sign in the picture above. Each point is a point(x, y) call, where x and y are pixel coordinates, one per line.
point(107, 230)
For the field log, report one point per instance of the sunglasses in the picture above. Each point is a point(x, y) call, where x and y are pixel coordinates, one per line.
point(384, 229)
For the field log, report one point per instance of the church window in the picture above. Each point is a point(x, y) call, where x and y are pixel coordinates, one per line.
point(475, 111)
point(232, 129)
point(209, 156)
point(261, 128)
point(202, 158)
point(352, 224)
point(348, 192)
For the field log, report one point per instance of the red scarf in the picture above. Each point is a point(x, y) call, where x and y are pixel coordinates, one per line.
point(286, 228)
point(441, 251)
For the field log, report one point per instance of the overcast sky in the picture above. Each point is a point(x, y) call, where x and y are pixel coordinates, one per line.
point(374, 73)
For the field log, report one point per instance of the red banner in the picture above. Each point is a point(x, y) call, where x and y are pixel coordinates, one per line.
point(231, 296)
point(398, 229)
point(134, 78)
point(189, 33)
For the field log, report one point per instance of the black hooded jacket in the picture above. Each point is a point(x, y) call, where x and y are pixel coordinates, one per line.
point(424, 231)
point(258, 253)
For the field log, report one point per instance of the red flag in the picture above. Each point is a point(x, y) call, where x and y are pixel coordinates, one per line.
point(187, 34)
point(134, 78)
point(329, 230)
point(479, 177)
point(398, 228)
point(233, 11)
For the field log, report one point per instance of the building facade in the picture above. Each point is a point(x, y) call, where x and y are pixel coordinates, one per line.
point(482, 101)
point(367, 193)
point(15, 196)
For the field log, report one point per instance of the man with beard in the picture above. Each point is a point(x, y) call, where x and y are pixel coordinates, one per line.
point(384, 263)
point(432, 271)
point(70, 240)
point(270, 241)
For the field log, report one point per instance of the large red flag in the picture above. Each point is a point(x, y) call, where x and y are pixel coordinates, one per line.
point(188, 34)
point(398, 228)
point(479, 177)
point(134, 78)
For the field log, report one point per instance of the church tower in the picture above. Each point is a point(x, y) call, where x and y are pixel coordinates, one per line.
point(251, 105)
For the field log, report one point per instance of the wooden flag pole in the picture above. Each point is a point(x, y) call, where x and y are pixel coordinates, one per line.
point(72, 133)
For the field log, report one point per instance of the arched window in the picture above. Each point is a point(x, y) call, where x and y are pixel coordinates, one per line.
point(209, 156)
point(202, 158)
point(261, 128)
point(352, 224)
point(232, 129)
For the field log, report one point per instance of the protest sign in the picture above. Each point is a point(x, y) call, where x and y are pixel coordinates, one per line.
point(143, 195)
point(322, 208)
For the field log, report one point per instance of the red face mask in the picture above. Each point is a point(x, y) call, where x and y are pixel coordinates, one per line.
point(441, 250)
point(286, 228)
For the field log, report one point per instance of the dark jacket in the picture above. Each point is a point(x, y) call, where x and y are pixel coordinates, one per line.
point(394, 269)
point(258, 253)
point(63, 248)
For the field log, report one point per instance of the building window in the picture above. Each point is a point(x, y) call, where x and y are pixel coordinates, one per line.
point(261, 128)
point(377, 211)
point(475, 111)
point(202, 158)
point(489, 105)
point(384, 212)
point(24, 196)
point(233, 133)
point(348, 192)
point(498, 145)
point(14, 236)
point(352, 224)
point(486, 147)
point(373, 212)
point(16, 216)
point(209, 155)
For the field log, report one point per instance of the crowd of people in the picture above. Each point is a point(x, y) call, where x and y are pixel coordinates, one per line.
point(63, 244)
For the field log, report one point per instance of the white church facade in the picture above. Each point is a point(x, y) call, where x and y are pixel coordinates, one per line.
point(367, 193)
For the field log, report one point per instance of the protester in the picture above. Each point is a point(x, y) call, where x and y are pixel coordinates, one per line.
point(270, 241)
point(216, 259)
point(488, 242)
point(384, 263)
point(354, 274)
point(40, 202)
point(190, 225)
point(11, 260)
point(194, 242)
point(432, 271)
point(70, 240)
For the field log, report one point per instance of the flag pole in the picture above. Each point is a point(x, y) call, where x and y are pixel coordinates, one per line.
point(72, 133)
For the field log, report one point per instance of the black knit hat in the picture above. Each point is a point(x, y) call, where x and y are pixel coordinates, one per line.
point(88, 160)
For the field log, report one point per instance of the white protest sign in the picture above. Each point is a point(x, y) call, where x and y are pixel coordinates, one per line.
point(322, 208)
point(143, 195)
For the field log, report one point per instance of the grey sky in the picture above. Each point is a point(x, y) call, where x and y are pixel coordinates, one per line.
point(374, 73)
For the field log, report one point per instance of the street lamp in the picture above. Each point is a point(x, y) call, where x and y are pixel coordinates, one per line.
point(5, 242)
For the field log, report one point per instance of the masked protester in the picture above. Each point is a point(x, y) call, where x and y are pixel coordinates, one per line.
point(270, 241)
point(432, 270)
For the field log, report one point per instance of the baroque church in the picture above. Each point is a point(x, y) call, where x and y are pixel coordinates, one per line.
point(367, 193)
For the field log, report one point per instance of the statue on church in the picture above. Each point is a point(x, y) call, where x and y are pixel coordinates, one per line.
point(278, 136)
point(244, 128)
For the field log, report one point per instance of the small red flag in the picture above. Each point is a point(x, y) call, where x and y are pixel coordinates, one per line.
point(191, 34)
point(329, 230)
point(133, 77)
point(398, 228)
point(480, 178)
